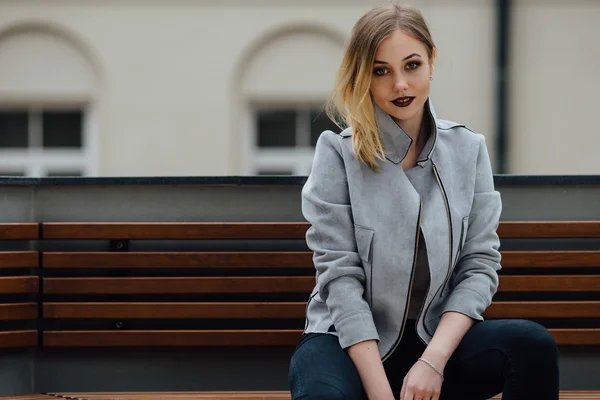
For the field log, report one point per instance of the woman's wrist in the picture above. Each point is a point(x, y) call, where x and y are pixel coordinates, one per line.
point(432, 366)
point(437, 356)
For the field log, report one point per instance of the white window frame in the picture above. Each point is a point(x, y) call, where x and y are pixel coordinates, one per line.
point(296, 159)
point(36, 161)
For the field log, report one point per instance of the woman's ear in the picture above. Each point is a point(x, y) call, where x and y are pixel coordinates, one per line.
point(432, 60)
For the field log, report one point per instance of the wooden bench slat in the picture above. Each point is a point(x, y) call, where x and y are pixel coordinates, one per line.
point(179, 285)
point(177, 394)
point(18, 284)
point(550, 259)
point(543, 309)
point(178, 230)
point(281, 230)
point(298, 259)
point(291, 259)
point(271, 395)
point(296, 284)
point(19, 259)
point(276, 310)
point(548, 229)
point(182, 310)
point(18, 311)
point(24, 338)
point(29, 397)
point(250, 395)
point(88, 338)
point(19, 231)
point(578, 336)
point(92, 338)
point(550, 283)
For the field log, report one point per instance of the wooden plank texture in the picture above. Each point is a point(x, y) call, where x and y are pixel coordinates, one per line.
point(291, 259)
point(181, 310)
point(550, 259)
point(171, 338)
point(179, 285)
point(298, 259)
point(18, 284)
point(281, 230)
point(19, 259)
point(578, 337)
point(149, 338)
point(550, 283)
point(548, 229)
point(219, 310)
point(251, 395)
point(271, 395)
point(543, 309)
point(179, 230)
point(18, 311)
point(19, 231)
point(292, 284)
point(25, 338)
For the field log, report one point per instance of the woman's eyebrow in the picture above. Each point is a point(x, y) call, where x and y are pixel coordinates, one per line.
point(405, 58)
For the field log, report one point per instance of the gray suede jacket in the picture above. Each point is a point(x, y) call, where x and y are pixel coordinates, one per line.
point(365, 233)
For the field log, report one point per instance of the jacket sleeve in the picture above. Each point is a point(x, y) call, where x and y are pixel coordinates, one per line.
point(340, 274)
point(475, 278)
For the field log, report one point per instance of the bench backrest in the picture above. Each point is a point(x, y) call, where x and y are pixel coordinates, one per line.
point(18, 285)
point(246, 284)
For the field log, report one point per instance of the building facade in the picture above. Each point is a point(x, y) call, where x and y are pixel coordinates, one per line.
point(232, 87)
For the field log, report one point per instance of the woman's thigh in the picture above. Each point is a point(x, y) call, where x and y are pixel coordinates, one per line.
point(516, 357)
point(321, 369)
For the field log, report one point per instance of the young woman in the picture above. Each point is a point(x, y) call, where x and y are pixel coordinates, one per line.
point(403, 215)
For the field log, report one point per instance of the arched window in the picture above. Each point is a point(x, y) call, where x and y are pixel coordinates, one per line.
point(284, 86)
point(48, 91)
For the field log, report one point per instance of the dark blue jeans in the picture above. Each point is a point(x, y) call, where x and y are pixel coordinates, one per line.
point(516, 357)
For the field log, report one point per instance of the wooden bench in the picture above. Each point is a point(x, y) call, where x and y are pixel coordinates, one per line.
point(565, 395)
point(175, 298)
point(126, 295)
point(18, 286)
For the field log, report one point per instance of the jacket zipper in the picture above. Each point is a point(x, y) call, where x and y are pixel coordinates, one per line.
point(412, 275)
point(451, 242)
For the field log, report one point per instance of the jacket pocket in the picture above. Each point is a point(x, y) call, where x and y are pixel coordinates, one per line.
point(364, 243)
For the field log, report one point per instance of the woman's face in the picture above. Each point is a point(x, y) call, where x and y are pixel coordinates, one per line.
point(401, 76)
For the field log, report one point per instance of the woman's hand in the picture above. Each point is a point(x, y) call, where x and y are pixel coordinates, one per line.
point(421, 383)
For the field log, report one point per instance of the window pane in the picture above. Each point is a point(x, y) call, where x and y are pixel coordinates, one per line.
point(64, 173)
point(13, 129)
point(62, 128)
point(319, 122)
point(277, 128)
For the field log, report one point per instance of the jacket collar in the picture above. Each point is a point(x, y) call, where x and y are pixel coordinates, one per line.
point(396, 141)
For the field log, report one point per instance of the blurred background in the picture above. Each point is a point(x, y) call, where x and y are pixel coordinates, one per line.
point(236, 87)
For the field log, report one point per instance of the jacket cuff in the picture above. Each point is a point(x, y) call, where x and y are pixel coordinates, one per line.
point(467, 302)
point(355, 329)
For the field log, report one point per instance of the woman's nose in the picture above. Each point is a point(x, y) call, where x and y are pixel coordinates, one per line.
point(400, 84)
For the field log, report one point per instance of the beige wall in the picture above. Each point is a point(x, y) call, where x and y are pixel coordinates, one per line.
point(555, 75)
point(173, 81)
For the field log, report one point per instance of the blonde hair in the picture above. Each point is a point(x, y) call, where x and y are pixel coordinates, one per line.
point(350, 102)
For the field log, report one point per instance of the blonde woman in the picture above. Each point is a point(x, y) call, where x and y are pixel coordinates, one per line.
point(403, 215)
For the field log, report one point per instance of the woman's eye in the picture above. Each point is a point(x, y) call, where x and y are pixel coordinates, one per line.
point(413, 65)
point(380, 71)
